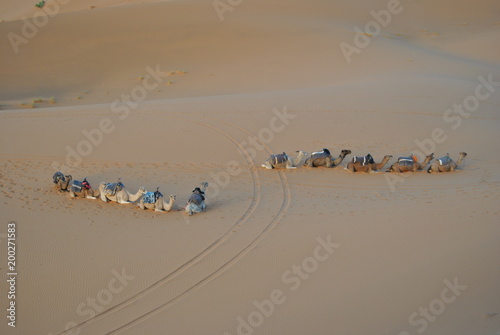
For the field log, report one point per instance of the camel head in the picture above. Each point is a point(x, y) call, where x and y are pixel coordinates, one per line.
point(463, 154)
point(142, 190)
point(387, 157)
point(429, 158)
point(172, 196)
point(345, 152)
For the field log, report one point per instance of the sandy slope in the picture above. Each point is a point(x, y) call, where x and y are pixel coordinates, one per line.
point(268, 78)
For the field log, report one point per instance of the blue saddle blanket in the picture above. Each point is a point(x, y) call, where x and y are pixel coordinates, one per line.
point(444, 160)
point(77, 186)
point(149, 198)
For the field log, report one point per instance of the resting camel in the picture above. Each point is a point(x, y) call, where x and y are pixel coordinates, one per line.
point(324, 158)
point(446, 164)
point(155, 200)
point(117, 192)
point(405, 164)
point(61, 181)
point(284, 161)
point(357, 166)
point(83, 189)
point(196, 202)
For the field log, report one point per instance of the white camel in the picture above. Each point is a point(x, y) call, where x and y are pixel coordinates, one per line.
point(156, 201)
point(284, 161)
point(117, 192)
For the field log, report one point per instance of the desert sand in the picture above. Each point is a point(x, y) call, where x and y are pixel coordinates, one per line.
point(170, 94)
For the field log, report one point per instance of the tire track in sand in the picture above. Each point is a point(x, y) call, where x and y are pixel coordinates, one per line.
point(225, 266)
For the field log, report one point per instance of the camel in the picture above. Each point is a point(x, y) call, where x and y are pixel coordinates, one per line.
point(155, 200)
point(83, 189)
point(409, 164)
point(196, 202)
point(61, 181)
point(446, 164)
point(324, 158)
point(369, 167)
point(284, 161)
point(117, 192)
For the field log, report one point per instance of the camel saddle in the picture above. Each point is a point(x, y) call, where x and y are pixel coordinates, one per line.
point(444, 160)
point(112, 188)
point(196, 198)
point(368, 159)
point(407, 161)
point(149, 198)
point(77, 186)
point(321, 154)
point(279, 158)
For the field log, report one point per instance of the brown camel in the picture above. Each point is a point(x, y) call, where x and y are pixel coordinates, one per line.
point(324, 158)
point(61, 181)
point(369, 167)
point(413, 166)
point(82, 189)
point(446, 164)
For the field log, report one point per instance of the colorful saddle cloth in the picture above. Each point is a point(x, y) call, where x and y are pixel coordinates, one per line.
point(79, 185)
point(149, 198)
point(444, 160)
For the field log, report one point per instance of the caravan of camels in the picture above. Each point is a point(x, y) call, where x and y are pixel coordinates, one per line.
point(196, 203)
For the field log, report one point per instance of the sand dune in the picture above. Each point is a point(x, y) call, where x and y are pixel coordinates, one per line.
point(166, 94)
